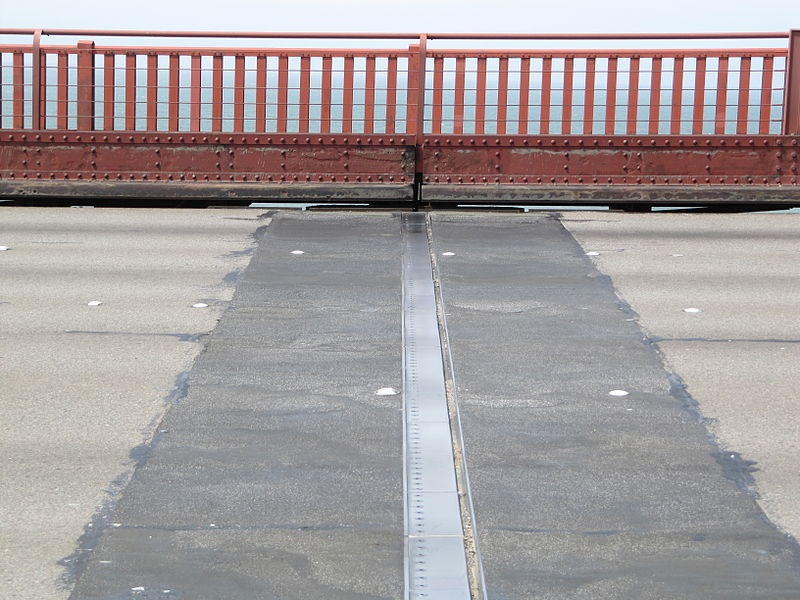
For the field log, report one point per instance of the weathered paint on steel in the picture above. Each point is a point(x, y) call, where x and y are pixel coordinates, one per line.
point(612, 195)
point(242, 159)
point(663, 160)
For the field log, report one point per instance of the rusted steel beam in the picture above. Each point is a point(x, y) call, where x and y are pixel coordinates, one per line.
point(614, 160)
point(612, 195)
point(138, 192)
point(68, 156)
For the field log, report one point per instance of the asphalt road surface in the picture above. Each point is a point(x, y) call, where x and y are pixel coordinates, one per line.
point(617, 445)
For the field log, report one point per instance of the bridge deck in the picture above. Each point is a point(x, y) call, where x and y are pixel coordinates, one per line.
point(280, 471)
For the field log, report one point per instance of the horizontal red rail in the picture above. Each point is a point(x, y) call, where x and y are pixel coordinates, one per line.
point(397, 36)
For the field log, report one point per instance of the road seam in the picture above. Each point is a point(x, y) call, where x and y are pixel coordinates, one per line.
point(436, 563)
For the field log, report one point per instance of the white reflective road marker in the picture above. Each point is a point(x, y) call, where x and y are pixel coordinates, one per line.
point(435, 556)
point(386, 391)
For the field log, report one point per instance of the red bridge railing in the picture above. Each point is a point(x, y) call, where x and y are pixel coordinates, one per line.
point(607, 92)
point(404, 110)
point(288, 90)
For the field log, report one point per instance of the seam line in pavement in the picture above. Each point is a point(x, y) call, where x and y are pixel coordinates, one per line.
point(435, 554)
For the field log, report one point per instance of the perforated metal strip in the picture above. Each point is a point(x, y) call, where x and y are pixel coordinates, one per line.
point(436, 564)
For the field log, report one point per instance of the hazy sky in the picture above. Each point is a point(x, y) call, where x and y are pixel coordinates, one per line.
point(407, 15)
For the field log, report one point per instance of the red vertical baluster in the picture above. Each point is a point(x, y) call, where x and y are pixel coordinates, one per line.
point(633, 96)
point(174, 97)
point(588, 105)
point(62, 109)
point(19, 91)
point(85, 85)
point(502, 96)
point(611, 95)
point(109, 76)
point(699, 94)
point(722, 96)
point(347, 108)
point(458, 93)
point(369, 96)
point(767, 76)
point(261, 94)
point(238, 94)
point(524, 94)
point(327, 83)
point(655, 96)
point(744, 95)
point(216, 93)
point(152, 92)
point(196, 93)
point(438, 85)
point(677, 96)
point(305, 93)
point(480, 97)
point(130, 92)
point(391, 94)
point(569, 85)
point(547, 91)
point(283, 93)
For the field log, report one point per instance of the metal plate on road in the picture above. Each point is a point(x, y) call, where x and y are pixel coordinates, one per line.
point(436, 564)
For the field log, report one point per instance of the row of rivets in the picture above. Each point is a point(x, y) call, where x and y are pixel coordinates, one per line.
point(205, 139)
point(611, 180)
point(608, 142)
point(207, 177)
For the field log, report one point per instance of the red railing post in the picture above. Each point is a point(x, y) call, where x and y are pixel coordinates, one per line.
point(417, 73)
point(791, 103)
point(37, 82)
point(85, 85)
